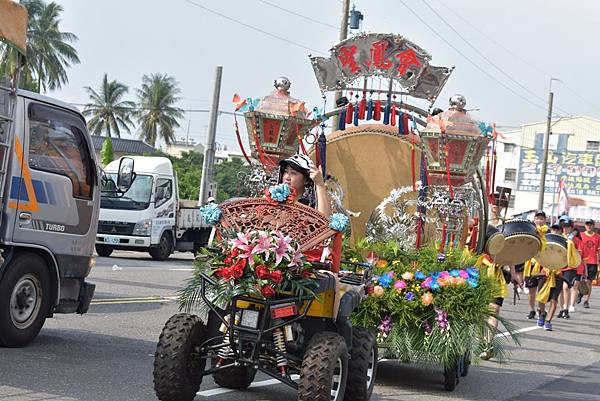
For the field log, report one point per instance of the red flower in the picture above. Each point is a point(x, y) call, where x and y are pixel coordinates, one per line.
point(224, 273)
point(267, 291)
point(292, 196)
point(237, 270)
point(277, 276)
point(229, 259)
point(307, 274)
point(262, 272)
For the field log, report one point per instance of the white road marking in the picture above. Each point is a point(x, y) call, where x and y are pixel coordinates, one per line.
point(138, 300)
point(523, 330)
point(183, 269)
point(218, 391)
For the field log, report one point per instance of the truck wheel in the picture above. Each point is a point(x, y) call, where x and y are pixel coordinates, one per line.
point(164, 248)
point(324, 369)
point(103, 250)
point(362, 367)
point(237, 378)
point(178, 365)
point(24, 300)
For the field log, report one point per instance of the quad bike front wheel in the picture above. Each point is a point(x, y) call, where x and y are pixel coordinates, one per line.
point(178, 366)
point(362, 367)
point(324, 371)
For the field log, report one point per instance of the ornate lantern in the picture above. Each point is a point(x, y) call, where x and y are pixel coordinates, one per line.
point(276, 125)
point(453, 144)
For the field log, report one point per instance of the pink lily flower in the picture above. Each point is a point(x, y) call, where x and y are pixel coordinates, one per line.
point(282, 247)
point(296, 258)
point(264, 244)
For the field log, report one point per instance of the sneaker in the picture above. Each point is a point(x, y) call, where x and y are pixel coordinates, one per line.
point(571, 309)
point(586, 305)
point(541, 320)
point(561, 314)
point(566, 315)
point(548, 326)
point(519, 290)
point(526, 291)
point(487, 354)
point(531, 315)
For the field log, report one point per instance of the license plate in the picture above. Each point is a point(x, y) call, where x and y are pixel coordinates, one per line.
point(249, 318)
point(112, 240)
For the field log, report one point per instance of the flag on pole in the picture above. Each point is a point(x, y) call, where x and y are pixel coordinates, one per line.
point(563, 198)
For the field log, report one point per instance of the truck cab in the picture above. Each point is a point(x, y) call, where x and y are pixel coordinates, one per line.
point(50, 203)
point(148, 216)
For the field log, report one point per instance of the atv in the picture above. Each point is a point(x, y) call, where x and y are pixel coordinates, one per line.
point(307, 342)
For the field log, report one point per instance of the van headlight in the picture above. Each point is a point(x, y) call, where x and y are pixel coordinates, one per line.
point(143, 228)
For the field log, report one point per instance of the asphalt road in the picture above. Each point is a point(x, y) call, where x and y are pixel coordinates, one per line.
point(107, 354)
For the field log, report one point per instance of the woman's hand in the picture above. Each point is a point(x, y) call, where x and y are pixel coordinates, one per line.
point(316, 175)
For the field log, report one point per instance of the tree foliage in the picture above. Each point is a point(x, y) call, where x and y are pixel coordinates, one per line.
point(228, 176)
point(157, 114)
point(107, 152)
point(49, 50)
point(108, 111)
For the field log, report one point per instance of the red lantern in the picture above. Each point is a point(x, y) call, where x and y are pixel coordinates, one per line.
point(453, 144)
point(276, 125)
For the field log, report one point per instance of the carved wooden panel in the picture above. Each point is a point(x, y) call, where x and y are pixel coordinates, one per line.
point(304, 224)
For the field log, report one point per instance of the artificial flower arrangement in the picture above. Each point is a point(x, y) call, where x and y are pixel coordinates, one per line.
point(256, 263)
point(427, 307)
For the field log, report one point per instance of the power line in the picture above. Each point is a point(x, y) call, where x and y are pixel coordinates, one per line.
point(481, 53)
point(253, 27)
point(468, 59)
point(515, 55)
point(300, 15)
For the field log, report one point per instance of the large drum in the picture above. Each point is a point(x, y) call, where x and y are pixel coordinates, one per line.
point(522, 242)
point(494, 241)
point(555, 254)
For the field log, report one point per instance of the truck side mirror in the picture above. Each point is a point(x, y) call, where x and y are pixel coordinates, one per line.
point(126, 175)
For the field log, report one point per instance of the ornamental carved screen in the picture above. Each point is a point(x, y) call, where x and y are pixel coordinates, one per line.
point(304, 224)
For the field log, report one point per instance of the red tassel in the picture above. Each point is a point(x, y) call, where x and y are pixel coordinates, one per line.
point(393, 114)
point(377, 111)
point(362, 108)
point(349, 113)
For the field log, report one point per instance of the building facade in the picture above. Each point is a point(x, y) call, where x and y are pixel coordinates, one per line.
point(573, 159)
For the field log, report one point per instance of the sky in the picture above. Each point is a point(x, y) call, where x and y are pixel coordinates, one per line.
point(519, 44)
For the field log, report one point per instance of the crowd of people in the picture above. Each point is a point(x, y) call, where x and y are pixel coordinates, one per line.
point(552, 290)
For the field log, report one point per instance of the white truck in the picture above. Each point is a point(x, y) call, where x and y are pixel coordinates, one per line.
point(149, 216)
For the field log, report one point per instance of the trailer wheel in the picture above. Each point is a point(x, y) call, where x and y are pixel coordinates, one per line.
point(104, 250)
point(324, 369)
point(451, 377)
point(362, 366)
point(24, 300)
point(178, 365)
point(164, 248)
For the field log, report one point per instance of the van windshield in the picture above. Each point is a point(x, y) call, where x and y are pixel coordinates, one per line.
point(137, 196)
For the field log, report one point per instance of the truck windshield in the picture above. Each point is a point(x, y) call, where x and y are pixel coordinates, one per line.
point(137, 196)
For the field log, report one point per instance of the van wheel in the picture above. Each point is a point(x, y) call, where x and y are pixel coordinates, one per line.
point(164, 248)
point(103, 250)
point(24, 300)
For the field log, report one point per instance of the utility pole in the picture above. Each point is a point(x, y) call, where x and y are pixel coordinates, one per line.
point(209, 150)
point(546, 147)
point(343, 35)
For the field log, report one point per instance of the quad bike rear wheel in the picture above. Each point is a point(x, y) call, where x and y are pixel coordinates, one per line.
point(178, 366)
point(324, 371)
point(362, 367)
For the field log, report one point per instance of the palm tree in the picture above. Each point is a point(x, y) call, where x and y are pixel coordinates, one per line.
point(49, 52)
point(157, 115)
point(108, 111)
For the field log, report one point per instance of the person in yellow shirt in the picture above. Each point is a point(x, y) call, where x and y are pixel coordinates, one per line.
point(531, 269)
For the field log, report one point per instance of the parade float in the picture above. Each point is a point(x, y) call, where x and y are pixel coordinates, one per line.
point(404, 268)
